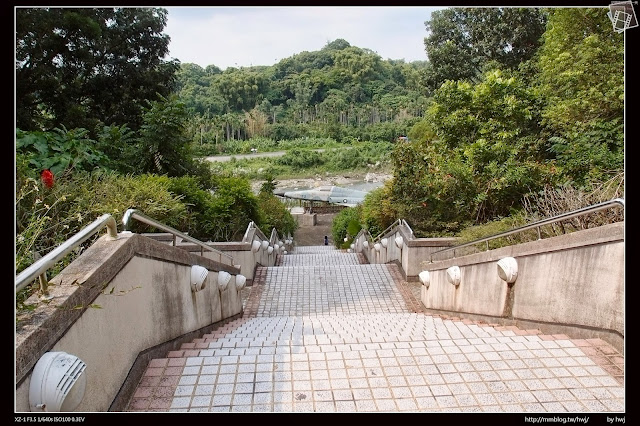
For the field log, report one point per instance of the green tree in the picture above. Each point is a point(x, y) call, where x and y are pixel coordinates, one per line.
point(582, 79)
point(378, 210)
point(274, 214)
point(164, 147)
point(79, 67)
point(462, 41)
point(473, 157)
point(342, 222)
point(234, 206)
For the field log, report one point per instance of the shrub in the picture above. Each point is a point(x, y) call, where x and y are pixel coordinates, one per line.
point(46, 217)
point(274, 214)
point(346, 224)
point(299, 159)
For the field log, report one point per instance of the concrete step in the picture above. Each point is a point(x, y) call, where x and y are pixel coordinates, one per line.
point(382, 363)
point(323, 332)
point(313, 259)
point(314, 249)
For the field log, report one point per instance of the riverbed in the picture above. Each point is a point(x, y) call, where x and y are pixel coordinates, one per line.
point(359, 181)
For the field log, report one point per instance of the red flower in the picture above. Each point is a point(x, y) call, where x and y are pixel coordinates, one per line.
point(47, 178)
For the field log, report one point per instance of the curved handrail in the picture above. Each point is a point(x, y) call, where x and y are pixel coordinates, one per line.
point(569, 215)
point(404, 223)
point(135, 214)
point(251, 226)
point(399, 222)
point(366, 232)
point(42, 265)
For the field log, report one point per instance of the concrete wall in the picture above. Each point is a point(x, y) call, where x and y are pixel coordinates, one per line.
point(572, 283)
point(306, 219)
point(244, 257)
point(409, 255)
point(118, 299)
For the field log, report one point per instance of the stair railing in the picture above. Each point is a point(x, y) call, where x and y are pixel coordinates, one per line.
point(616, 202)
point(135, 214)
point(40, 267)
point(399, 222)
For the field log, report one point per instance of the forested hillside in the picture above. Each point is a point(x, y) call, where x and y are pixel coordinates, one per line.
point(515, 114)
point(524, 120)
point(341, 91)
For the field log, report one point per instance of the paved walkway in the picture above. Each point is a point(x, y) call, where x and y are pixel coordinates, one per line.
point(343, 336)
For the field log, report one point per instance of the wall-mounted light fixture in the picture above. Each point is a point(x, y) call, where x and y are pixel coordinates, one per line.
point(241, 281)
point(57, 383)
point(255, 246)
point(223, 280)
point(198, 276)
point(377, 246)
point(384, 242)
point(453, 275)
point(269, 250)
point(425, 278)
point(265, 245)
point(399, 242)
point(508, 269)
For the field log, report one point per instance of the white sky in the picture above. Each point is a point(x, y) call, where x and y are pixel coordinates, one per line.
point(251, 35)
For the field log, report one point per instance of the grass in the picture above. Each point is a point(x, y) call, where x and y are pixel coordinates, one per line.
point(332, 161)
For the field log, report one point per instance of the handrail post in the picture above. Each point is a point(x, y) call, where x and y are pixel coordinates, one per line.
point(39, 268)
point(44, 287)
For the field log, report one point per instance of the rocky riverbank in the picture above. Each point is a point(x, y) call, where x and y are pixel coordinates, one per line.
point(327, 180)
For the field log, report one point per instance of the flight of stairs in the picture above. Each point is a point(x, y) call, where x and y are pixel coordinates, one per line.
point(324, 331)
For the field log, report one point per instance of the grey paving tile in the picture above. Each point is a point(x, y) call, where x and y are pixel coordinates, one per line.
point(336, 339)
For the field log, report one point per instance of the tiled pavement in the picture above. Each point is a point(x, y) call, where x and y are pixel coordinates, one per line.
point(353, 338)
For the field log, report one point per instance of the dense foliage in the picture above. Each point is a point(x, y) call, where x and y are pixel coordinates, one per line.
point(341, 91)
point(463, 42)
point(503, 131)
point(275, 214)
point(346, 226)
point(512, 105)
point(85, 67)
point(582, 80)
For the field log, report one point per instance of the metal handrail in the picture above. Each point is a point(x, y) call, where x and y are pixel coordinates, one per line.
point(135, 214)
point(404, 223)
point(395, 223)
point(366, 233)
point(399, 222)
point(569, 215)
point(41, 266)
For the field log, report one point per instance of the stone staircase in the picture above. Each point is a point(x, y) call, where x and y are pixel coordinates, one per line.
point(325, 332)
